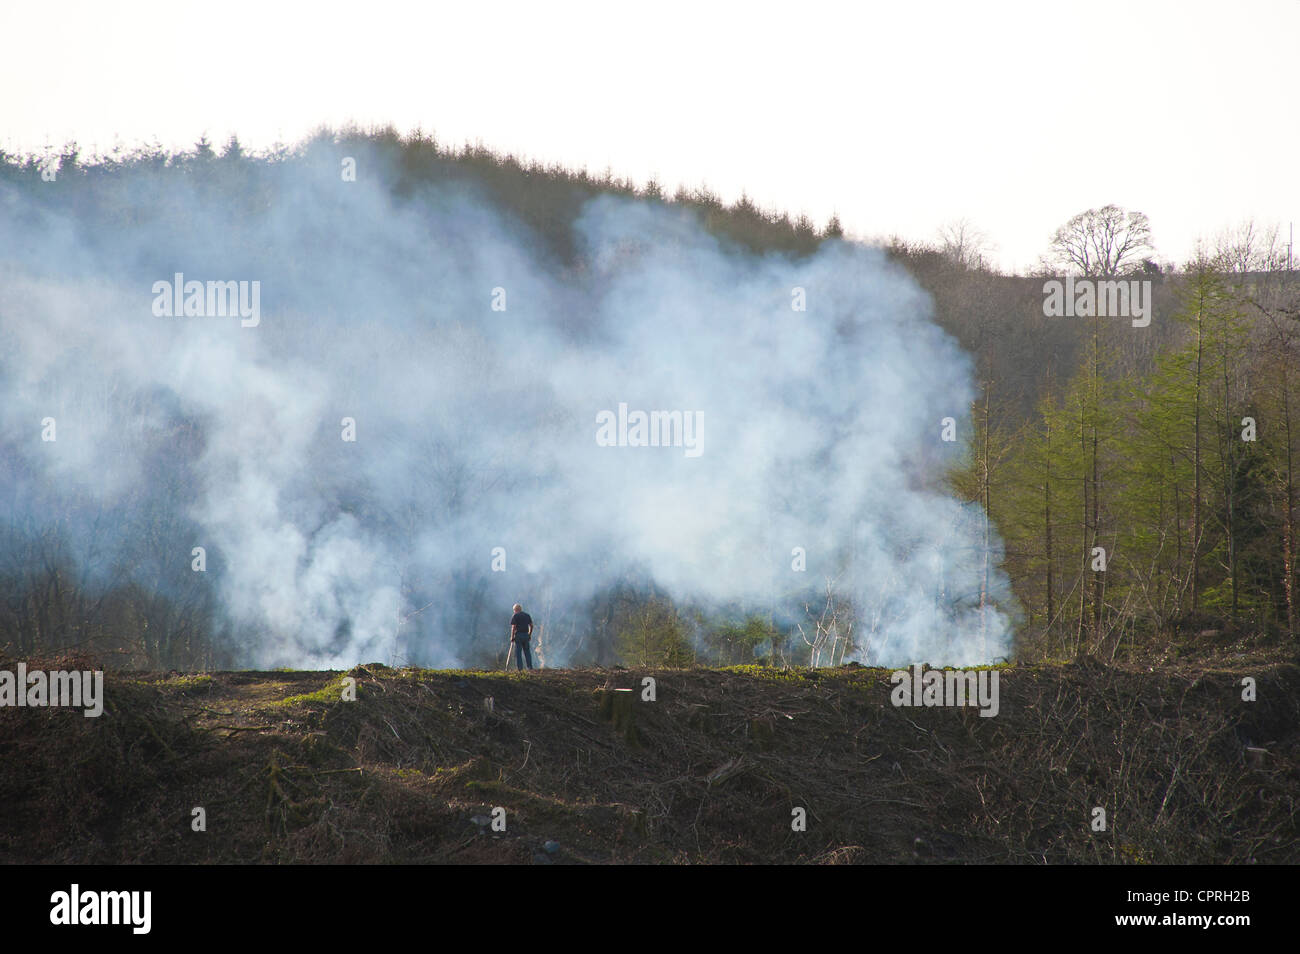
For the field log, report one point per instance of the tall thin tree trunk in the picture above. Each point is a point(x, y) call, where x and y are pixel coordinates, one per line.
point(1230, 480)
point(1049, 628)
point(984, 582)
point(1099, 578)
point(1178, 530)
point(1083, 535)
point(1288, 529)
point(1196, 465)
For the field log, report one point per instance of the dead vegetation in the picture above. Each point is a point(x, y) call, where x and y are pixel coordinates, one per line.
point(710, 771)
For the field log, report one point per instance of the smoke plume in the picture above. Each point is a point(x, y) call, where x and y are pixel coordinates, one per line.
point(431, 414)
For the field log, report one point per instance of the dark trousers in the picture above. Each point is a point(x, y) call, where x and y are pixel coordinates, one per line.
point(522, 653)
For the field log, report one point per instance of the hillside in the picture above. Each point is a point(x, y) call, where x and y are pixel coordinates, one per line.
point(708, 773)
point(1168, 450)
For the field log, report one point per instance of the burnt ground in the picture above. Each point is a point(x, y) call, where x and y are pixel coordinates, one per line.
point(709, 772)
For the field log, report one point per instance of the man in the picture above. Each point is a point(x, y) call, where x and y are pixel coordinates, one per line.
point(521, 628)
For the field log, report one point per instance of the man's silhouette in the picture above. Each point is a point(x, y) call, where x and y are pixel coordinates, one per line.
point(521, 629)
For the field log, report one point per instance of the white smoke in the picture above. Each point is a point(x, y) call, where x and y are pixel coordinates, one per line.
point(476, 428)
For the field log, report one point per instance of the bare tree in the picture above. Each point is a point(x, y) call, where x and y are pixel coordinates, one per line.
point(1249, 247)
point(833, 630)
point(1105, 241)
point(964, 243)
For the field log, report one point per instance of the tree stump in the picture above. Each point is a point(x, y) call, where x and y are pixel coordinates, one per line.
point(616, 706)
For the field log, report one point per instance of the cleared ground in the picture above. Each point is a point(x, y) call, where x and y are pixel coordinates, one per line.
point(709, 772)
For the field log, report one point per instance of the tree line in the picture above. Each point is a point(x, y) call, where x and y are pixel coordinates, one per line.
point(1149, 493)
point(1142, 481)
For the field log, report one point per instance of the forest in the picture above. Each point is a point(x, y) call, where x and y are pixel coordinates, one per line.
point(1140, 476)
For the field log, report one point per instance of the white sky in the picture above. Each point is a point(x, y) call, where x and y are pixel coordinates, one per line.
point(900, 115)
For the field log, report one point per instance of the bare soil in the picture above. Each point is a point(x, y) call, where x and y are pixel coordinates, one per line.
point(712, 771)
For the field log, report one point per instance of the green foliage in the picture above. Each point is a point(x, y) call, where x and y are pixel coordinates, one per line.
point(741, 643)
point(1101, 434)
point(653, 635)
point(1156, 467)
point(328, 694)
